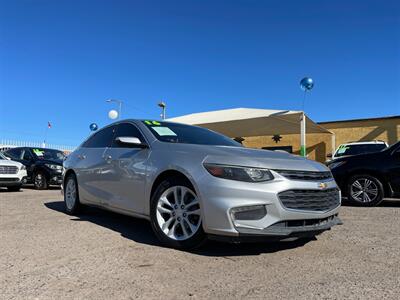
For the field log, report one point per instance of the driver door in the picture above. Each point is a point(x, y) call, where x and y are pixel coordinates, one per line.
point(126, 166)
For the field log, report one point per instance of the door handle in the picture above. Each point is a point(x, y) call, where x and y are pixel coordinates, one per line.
point(108, 157)
point(81, 156)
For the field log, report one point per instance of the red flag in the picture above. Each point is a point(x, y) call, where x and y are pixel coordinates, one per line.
point(48, 125)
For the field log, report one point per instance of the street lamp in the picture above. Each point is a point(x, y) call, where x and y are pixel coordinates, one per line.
point(163, 106)
point(119, 105)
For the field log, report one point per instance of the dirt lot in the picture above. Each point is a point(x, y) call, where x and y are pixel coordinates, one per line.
point(48, 254)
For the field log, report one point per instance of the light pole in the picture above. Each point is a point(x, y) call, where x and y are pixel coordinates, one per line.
point(306, 84)
point(163, 107)
point(119, 106)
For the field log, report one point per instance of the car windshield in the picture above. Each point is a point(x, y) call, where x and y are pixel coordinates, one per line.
point(50, 154)
point(186, 134)
point(345, 150)
point(393, 146)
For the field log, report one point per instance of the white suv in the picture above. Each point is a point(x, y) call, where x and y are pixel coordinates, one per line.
point(12, 174)
point(354, 148)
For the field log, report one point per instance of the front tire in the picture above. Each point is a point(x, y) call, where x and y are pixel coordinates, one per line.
point(71, 195)
point(365, 190)
point(175, 215)
point(40, 181)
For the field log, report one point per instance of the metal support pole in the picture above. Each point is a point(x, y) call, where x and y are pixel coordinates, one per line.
point(303, 148)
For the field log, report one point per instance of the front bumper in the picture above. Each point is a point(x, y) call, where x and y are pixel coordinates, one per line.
point(220, 196)
point(9, 180)
point(55, 179)
point(279, 232)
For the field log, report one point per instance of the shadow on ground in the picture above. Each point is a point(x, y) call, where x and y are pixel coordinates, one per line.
point(140, 231)
point(388, 202)
point(28, 187)
point(32, 187)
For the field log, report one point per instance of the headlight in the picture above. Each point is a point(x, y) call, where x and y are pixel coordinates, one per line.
point(23, 167)
point(54, 167)
point(239, 173)
point(335, 164)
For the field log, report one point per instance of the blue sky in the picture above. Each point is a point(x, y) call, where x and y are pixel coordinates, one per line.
point(60, 60)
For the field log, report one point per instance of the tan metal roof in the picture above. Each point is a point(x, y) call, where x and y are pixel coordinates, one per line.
point(247, 122)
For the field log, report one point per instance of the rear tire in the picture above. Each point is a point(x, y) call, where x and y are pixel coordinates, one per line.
point(40, 181)
point(71, 195)
point(14, 188)
point(175, 215)
point(365, 190)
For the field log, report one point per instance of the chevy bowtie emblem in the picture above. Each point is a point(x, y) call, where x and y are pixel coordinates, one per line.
point(322, 185)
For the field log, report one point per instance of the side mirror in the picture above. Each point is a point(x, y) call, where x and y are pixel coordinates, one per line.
point(329, 155)
point(130, 141)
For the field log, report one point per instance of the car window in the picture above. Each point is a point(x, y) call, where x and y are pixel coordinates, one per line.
point(180, 133)
point(101, 139)
point(14, 153)
point(345, 150)
point(126, 130)
point(43, 153)
point(27, 155)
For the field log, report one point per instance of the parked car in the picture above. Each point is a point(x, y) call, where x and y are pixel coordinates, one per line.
point(355, 148)
point(192, 183)
point(44, 166)
point(12, 174)
point(367, 178)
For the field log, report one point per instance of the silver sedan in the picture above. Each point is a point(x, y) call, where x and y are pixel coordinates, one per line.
point(192, 184)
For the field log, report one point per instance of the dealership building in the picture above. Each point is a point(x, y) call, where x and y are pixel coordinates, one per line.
point(280, 130)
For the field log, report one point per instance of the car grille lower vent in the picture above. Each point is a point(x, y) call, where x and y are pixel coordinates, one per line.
point(8, 170)
point(305, 175)
point(310, 200)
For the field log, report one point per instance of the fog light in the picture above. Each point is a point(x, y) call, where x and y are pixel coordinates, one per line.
point(255, 212)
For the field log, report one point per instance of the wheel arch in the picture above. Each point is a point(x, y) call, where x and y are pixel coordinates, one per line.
point(168, 174)
point(67, 173)
point(41, 169)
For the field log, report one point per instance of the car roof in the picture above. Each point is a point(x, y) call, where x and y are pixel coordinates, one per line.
point(365, 143)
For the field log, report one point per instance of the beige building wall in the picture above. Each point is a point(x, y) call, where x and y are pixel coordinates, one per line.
point(319, 145)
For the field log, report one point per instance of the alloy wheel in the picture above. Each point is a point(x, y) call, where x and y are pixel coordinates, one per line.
point(178, 213)
point(39, 180)
point(364, 190)
point(70, 194)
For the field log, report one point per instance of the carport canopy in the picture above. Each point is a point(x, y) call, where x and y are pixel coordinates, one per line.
point(246, 122)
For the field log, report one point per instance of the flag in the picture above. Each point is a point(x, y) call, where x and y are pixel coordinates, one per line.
point(48, 125)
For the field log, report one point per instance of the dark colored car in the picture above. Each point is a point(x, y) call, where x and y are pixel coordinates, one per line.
point(43, 166)
point(367, 178)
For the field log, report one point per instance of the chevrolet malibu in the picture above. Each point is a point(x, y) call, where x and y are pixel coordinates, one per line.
point(192, 184)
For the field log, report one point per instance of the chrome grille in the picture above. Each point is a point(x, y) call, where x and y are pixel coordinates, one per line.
point(8, 170)
point(305, 175)
point(310, 200)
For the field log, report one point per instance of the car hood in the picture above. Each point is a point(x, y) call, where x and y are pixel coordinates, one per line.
point(365, 156)
point(50, 161)
point(241, 156)
point(6, 162)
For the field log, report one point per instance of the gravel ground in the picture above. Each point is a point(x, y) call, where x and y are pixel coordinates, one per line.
point(46, 254)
